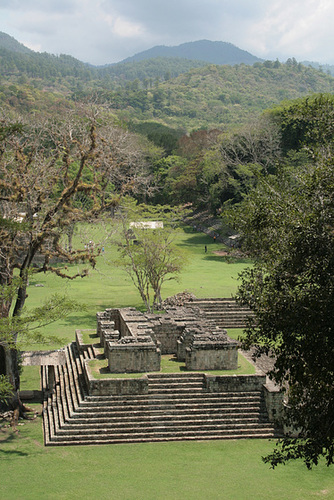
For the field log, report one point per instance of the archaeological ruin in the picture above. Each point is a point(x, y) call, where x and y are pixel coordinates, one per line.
point(109, 387)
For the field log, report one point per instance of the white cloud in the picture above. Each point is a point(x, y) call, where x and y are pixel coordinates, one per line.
point(301, 29)
point(127, 29)
point(103, 31)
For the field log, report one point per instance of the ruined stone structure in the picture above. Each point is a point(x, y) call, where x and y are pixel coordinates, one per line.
point(127, 406)
point(133, 342)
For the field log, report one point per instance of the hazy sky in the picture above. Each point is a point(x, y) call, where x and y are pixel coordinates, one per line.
point(106, 31)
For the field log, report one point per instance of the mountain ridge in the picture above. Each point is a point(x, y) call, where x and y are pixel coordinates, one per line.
point(10, 43)
point(212, 52)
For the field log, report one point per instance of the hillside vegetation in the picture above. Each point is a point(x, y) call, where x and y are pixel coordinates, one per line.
point(181, 93)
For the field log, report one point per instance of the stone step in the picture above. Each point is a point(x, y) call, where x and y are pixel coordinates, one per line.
point(224, 307)
point(177, 383)
point(158, 427)
point(176, 408)
point(175, 376)
point(171, 400)
point(227, 396)
point(156, 439)
point(169, 418)
point(174, 388)
point(165, 435)
point(151, 399)
point(163, 410)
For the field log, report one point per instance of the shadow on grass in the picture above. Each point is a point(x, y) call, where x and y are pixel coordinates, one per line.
point(10, 437)
point(196, 240)
point(104, 370)
point(226, 259)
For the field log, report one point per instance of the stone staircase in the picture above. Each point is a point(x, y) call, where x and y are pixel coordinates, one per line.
point(176, 408)
point(222, 312)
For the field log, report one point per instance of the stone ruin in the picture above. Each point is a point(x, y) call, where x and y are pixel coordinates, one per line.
point(133, 342)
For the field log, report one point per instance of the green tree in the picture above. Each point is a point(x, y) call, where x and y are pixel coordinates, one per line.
point(147, 248)
point(306, 122)
point(15, 331)
point(287, 227)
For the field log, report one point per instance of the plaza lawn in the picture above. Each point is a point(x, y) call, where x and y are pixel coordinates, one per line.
point(215, 470)
point(205, 275)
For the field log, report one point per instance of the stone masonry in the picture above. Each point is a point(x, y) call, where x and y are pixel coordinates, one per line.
point(134, 342)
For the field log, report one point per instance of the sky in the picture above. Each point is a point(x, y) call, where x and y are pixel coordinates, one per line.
point(108, 31)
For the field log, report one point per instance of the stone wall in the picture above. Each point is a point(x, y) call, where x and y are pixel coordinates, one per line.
point(133, 355)
point(211, 351)
point(134, 342)
point(166, 333)
point(273, 397)
point(114, 386)
point(234, 383)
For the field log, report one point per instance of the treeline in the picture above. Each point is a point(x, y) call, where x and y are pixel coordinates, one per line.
point(212, 96)
point(171, 91)
point(214, 169)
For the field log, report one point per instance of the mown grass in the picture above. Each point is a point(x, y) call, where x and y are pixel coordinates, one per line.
point(215, 470)
point(205, 275)
point(224, 470)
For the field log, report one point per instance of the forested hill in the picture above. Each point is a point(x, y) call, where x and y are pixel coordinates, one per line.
point(159, 62)
point(216, 96)
point(169, 91)
point(201, 50)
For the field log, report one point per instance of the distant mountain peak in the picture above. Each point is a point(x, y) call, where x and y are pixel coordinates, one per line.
point(200, 50)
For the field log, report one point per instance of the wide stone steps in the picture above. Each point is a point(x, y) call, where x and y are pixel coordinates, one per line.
point(175, 408)
point(223, 312)
point(208, 407)
point(187, 428)
point(174, 401)
point(147, 436)
point(190, 397)
point(138, 419)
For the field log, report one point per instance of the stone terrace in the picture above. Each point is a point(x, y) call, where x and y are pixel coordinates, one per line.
point(81, 409)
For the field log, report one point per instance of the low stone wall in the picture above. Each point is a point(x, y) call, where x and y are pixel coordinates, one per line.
point(234, 383)
point(80, 342)
point(273, 397)
point(114, 386)
point(166, 334)
point(103, 326)
point(211, 351)
point(133, 355)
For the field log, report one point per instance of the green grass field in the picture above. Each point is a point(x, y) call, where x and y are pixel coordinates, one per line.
point(215, 470)
point(222, 470)
point(205, 275)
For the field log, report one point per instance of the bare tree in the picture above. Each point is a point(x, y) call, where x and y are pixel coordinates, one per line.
point(53, 175)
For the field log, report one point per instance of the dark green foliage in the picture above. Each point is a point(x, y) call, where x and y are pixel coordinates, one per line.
point(307, 122)
point(287, 227)
point(161, 135)
point(148, 70)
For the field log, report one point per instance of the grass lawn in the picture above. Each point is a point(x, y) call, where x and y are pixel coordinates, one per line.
point(171, 471)
point(205, 275)
point(215, 470)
